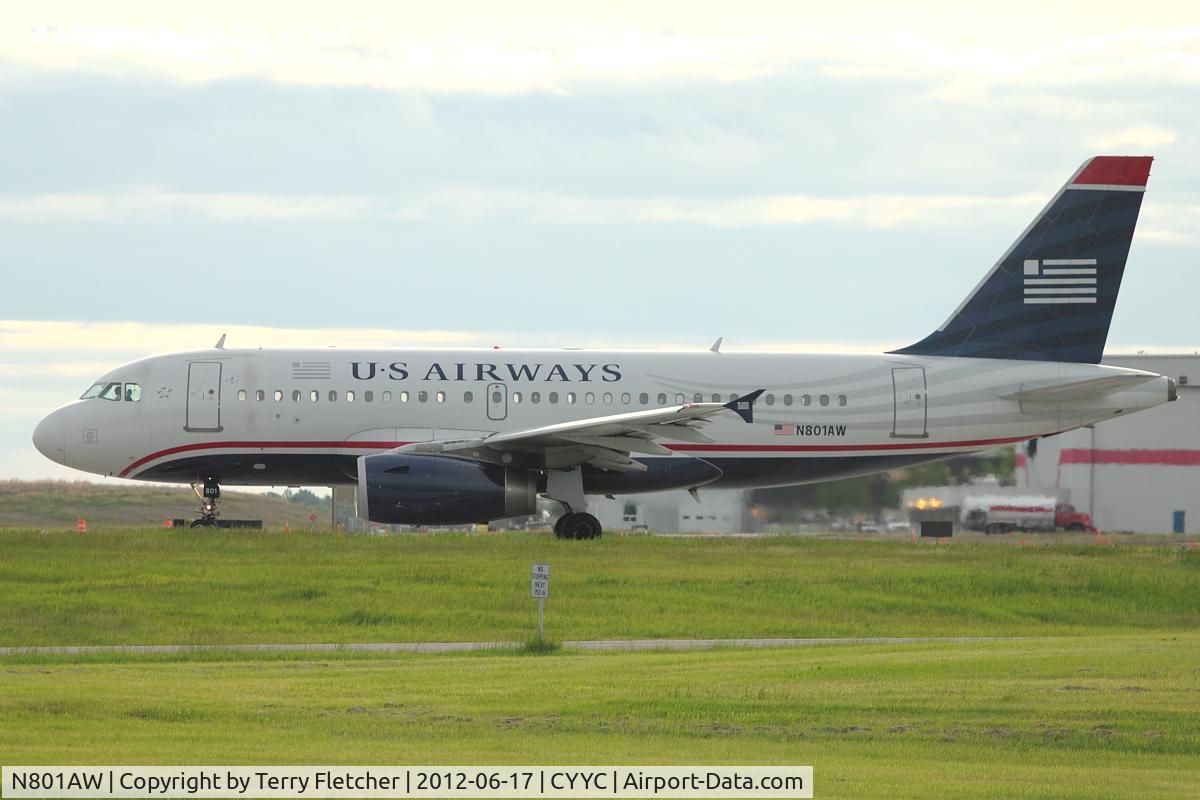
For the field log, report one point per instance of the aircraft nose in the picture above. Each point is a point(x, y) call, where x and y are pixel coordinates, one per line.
point(50, 437)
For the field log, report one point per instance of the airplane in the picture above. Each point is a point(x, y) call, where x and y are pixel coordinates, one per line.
point(440, 437)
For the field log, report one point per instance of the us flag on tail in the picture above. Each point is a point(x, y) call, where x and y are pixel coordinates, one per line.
point(1060, 280)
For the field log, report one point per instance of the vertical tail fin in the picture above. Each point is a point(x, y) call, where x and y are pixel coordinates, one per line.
point(1051, 296)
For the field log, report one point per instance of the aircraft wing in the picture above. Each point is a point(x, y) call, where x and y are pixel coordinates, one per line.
point(605, 442)
point(1078, 390)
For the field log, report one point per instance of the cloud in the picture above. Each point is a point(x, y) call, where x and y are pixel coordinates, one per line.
point(217, 206)
point(520, 48)
point(1167, 222)
point(1140, 136)
point(473, 203)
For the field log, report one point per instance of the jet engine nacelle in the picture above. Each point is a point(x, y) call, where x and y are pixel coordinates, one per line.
point(439, 490)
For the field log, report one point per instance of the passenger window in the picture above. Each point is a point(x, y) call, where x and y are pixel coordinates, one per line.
point(404, 397)
point(349, 397)
point(824, 399)
point(111, 392)
point(608, 398)
point(313, 396)
point(535, 397)
point(133, 392)
point(516, 397)
point(368, 396)
point(697, 398)
point(644, 399)
point(589, 398)
point(716, 398)
point(553, 397)
point(770, 399)
point(662, 399)
point(468, 397)
point(841, 399)
point(386, 397)
point(787, 399)
point(570, 398)
point(805, 400)
point(241, 395)
point(260, 395)
point(625, 398)
point(422, 396)
point(440, 397)
point(332, 396)
point(679, 398)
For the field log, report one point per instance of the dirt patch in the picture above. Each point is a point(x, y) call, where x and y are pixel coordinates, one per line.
point(847, 729)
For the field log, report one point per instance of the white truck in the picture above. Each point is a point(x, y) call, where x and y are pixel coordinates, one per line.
point(995, 514)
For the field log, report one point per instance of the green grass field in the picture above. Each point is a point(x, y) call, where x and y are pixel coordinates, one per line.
point(188, 587)
point(1103, 701)
point(58, 504)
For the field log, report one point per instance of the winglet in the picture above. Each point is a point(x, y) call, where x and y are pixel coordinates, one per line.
point(744, 406)
point(716, 348)
point(220, 345)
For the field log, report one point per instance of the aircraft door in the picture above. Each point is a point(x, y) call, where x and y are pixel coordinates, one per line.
point(497, 401)
point(203, 396)
point(911, 402)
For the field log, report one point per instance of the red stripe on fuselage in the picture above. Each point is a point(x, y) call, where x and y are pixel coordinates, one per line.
point(680, 448)
point(185, 448)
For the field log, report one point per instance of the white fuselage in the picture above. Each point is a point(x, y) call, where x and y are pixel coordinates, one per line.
point(277, 417)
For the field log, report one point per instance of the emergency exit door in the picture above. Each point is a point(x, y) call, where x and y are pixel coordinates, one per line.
point(497, 401)
point(911, 402)
point(203, 396)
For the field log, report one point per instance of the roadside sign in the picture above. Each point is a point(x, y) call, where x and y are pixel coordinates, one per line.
point(539, 589)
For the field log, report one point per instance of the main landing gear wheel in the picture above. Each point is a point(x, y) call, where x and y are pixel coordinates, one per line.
point(578, 526)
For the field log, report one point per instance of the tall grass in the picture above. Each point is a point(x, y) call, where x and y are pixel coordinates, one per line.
point(186, 587)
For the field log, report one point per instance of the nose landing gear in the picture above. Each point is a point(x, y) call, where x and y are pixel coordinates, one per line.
point(208, 497)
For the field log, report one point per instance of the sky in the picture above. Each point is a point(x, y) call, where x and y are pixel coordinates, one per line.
point(786, 175)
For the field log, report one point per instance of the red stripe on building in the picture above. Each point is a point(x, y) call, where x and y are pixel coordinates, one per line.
point(1116, 171)
point(1170, 458)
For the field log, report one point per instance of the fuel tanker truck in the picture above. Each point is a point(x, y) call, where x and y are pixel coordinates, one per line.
point(994, 514)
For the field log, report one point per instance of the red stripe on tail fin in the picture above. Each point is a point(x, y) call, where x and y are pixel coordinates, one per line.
point(1115, 171)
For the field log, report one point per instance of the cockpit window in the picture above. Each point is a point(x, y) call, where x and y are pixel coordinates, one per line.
point(112, 390)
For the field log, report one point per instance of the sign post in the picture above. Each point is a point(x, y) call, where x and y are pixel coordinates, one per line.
point(539, 587)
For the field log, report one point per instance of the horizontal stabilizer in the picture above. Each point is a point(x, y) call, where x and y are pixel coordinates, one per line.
point(1079, 390)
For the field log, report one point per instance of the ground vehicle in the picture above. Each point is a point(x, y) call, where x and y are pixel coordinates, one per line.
point(1024, 513)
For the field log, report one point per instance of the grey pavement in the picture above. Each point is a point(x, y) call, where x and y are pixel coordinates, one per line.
point(450, 647)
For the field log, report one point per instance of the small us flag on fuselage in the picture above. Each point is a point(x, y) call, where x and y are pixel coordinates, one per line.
point(785, 430)
point(1060, 280)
